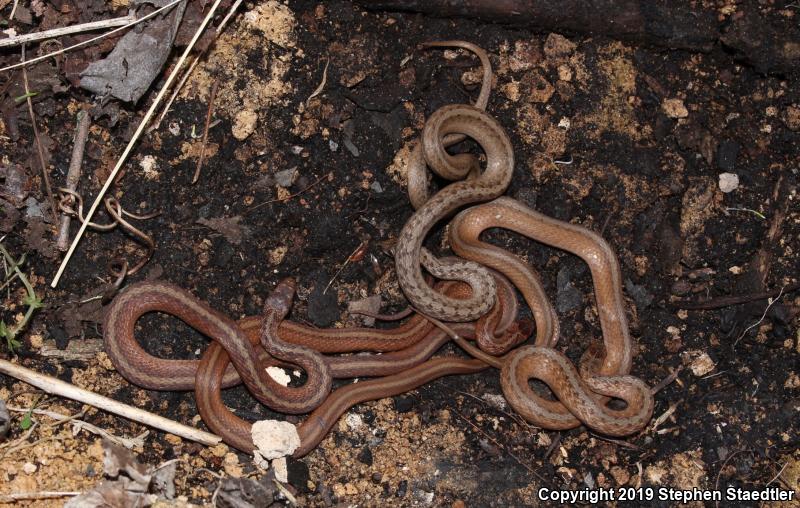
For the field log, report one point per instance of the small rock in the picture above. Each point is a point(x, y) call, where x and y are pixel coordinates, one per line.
point(281, 471)
point(365, 456)
point(568, 297)
point(402, 488)
point(458, 504)
point(371, 304)
point(244, 124)
point(728, 182)
point(403, 404)
point(640, 295)
point(286, 177)
point(557, 46)
point(29, 468)
point(333, 145)
point(702, 365)
point(674, 108)
point(354, 421)
point(377, 478)
point(376, 187)
point(727, 152)
point(279, 375)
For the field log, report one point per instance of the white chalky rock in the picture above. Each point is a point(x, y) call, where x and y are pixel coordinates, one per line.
point(274, 439)
point(281, 470)
point(279, 375)
point(728, 182)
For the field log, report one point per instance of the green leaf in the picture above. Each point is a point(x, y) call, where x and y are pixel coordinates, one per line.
point(33, 302)
point(3, 329)
point(27, 421)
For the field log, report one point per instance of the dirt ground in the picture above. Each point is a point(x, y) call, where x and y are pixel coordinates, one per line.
point(634, 142)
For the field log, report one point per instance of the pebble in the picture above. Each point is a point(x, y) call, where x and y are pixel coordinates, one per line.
point(244, 124)
point(674, 108)
point(402, 488)
point(365, 456)
point(568, 297)
point(728, 182)
point(727, 152)
point(297, 473)
point(286, 177)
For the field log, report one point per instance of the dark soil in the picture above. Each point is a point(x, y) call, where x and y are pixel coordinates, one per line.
point(596, 143)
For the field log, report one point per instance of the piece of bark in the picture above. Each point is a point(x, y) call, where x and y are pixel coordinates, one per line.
point(770, 43)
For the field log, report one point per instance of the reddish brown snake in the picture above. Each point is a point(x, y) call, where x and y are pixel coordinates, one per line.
point(236, 432)
point(145, 370)
point(603, 372)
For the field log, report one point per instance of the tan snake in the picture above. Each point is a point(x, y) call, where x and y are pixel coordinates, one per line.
point(470, 121)
point(603, 372)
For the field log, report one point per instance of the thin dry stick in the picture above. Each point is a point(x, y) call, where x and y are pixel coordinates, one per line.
point(29, 496)
point(66, 30)
point(39, 150)
point(194, 63)
point(321, 86)
point(57, 387)
point(74, 173)
point(771, 303)
point(209, 114)
point(112, 176)
point(93, 39)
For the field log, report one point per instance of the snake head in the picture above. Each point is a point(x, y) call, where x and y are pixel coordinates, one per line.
point(280, 299)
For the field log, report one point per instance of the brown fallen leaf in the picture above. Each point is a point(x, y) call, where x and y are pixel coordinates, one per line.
point(228, 227)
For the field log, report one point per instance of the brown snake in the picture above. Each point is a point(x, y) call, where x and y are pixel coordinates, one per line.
point(470, 121)
point(404, 343)
point(605, 373)
point(417, 170)
point(237, 432)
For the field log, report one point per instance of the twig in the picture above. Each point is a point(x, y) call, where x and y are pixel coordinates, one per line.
point(777, 475)
point(66, 30)
point(194, 63)
point(79, 424)
point(57, 387)
point(74, 173)
point(666, 381)
point(771, 303)
point(93, 39)
point(13, 10)
point(321, 86)
point(287, 198)
point(39, 151)
point(209, 114)
point(44, 494)
point(750, 210)
point(727, 301)
point(553, 445)
point(147, 116)
point(346, 262)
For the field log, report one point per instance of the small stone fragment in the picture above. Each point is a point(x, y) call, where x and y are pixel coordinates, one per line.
point(244, 124)
point(728, 182)
point(674, 108)
point(286, 177)
point(275, 439)
point(702, 365)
